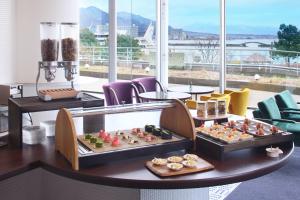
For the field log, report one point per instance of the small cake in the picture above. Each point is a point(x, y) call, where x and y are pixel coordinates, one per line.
point(126, 137)
point(245, 127)
point(107, 139)
point(115, 142)
point(102, 134)
point(159, 161)
point(99, 144)
point(141, 135)
point(175, 159)
point(274, 129)
point(190, 157)
point(93, 140)
point(259, 125)
point(133, 141)
point(231, 124)
point(175, 166)
point(260, 132)
point(150, 138)
point(190, 163)
point(247, 121)
point(156, 131)
point(166, 135)
point(87, 136)
point(149, 128)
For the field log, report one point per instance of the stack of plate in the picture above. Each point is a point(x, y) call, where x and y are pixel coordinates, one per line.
point(49, 127)
point(33, 134)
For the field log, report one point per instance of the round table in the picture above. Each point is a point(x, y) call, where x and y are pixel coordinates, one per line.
point(162, 96)
point(193, 90)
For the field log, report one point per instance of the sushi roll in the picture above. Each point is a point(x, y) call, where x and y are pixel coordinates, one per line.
point(149, 128)
point(87, 136)
point(166, 135)
point(156, 131)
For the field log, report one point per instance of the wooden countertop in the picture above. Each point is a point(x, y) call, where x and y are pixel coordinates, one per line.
point(238, 166)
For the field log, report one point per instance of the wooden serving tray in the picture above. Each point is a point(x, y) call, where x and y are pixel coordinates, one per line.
point(164, 171)
point(124, 144)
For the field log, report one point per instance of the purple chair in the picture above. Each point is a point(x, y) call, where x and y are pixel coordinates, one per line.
point(146, 84)
point(118, 92)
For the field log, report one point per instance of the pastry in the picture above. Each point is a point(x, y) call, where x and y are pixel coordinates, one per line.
point(175, 166)
point(141, 135)
point(87, 136)
point(190, 163)
point(260, 132)
point(99, 144)
point(274, 129)
point(247, 121)
point(93, 140)
point(150, 138)
point(175, 159)
point(159, 161)
point(132, 141)
point(190, 157)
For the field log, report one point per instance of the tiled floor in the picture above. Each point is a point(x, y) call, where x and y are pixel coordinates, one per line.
point(221, 192)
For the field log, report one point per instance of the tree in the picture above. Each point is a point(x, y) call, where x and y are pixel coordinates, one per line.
point(288, 40)
point(87, 38)
point(130, 45)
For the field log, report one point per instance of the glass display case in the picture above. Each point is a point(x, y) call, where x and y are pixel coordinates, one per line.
point(176, 131)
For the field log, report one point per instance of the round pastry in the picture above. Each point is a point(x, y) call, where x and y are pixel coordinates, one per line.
point(190, 163)
point(166, 135)
point(98, 144)
point(175, 166)
point(191, 157)
point(149, 128)
point(87, 136)
point(274, 129)
point(159, 161)
point(175, 159)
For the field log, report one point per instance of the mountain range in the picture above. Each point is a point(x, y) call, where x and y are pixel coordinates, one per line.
point(92, 16)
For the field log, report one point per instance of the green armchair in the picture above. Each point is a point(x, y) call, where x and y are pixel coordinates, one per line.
point(288, 106)
point(270, 113)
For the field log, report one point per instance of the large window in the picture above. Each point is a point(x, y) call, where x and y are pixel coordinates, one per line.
point(256, 56)
point(94, 56)
point(136, 42)
point(194, 42)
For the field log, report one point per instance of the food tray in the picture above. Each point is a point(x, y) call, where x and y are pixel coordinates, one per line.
point(89, 156)
point(124, 143)
point(219, 150)
point(164, 171)
point(238, 136)
point(252, 128)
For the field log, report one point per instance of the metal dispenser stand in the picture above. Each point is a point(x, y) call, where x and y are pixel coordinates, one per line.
point(70, 68)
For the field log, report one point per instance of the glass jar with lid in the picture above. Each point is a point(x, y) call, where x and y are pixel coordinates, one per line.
point(69, 41)
point(49, 36)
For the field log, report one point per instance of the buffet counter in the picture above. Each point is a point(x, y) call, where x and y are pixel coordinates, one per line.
point(127, 174)
point(239, 166)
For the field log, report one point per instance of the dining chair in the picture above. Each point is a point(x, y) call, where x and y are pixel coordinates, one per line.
point(120, 92)
point(288, 106)
point(146, 84)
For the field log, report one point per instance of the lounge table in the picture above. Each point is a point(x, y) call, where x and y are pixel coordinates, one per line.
point(193, 89)
point(162, 96)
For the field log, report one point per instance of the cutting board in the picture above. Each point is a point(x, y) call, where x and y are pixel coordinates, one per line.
point(164, 171)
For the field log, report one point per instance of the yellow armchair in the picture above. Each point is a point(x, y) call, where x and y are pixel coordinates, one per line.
point(239, 101)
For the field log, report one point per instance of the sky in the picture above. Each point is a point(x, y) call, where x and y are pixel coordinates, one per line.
point(192, 14)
